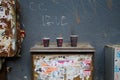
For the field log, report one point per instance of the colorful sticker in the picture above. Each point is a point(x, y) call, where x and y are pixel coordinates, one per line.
point(117, 64)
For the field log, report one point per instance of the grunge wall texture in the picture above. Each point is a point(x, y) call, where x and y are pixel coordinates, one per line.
point(95, 21)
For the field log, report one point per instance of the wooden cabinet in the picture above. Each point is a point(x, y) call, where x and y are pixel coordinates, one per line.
point(62, 63)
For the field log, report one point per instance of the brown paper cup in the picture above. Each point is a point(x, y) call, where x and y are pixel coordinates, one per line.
point(73, 40)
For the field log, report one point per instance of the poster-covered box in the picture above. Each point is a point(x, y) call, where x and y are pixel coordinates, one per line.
point(62, 64)
point(112, 62)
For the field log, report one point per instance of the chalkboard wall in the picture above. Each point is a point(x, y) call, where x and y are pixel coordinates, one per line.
point(95, 21)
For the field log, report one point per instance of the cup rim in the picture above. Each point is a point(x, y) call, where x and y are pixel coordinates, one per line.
point(73, 35)
point(45, 38)
point(59, 38)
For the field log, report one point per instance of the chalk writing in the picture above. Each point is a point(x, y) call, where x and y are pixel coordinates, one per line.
point(79, 8)
point(33, 6)
point(54, 20)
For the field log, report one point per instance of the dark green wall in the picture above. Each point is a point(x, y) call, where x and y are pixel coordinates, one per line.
point(95, 21)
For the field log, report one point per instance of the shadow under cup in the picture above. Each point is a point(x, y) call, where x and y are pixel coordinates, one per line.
point(46, 42)
point(73, 40)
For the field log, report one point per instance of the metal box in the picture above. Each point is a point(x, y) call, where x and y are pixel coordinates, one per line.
point(112, 62)
point(62, 63)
